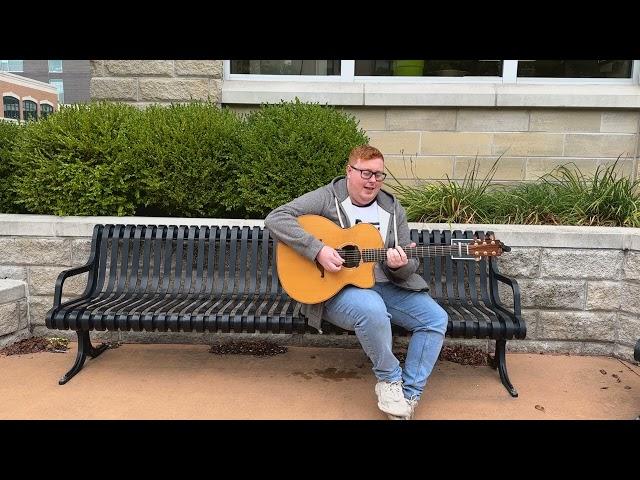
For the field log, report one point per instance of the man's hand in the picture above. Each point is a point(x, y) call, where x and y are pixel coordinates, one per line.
point(396, 257)
point(329, 259)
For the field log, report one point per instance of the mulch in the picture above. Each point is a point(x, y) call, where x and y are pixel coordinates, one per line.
point(34, 345)
point(462, 354)
point(258, 348)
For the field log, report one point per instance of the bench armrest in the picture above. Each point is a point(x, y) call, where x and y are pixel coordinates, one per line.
point(57, 297)
point(494, 278)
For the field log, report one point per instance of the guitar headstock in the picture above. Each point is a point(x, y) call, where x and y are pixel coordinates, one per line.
point(489, 247)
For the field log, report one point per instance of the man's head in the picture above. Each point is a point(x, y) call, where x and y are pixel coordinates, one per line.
point(365, 161)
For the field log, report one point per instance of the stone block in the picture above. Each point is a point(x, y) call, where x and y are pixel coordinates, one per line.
point(114, 89)
point(9, 317)
point(132, 68)
point(631, 269)
point(597, 146)
point(42, 281)
point(521, 262)
point(423, 119)
point(581, 263)
point(456, 143)
point(554, 120)
point(13, 273)
point(628, 329)
point(418, 167)
point(200, 68)
point(407, 143)
point(507, 168)
point(538, 167)
point(578, 326)
point(527, 144)
point(565, 294)
point(620, 122)
point(495, 120)
point(182, 89)
point(80, 251)
point(603, 295)
point(368, 118)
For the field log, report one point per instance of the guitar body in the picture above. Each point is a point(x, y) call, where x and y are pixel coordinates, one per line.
point(307, 281)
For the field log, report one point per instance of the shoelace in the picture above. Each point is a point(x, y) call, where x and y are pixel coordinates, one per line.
point(394, 388)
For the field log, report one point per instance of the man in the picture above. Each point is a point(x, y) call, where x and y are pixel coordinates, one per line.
point(399, 295)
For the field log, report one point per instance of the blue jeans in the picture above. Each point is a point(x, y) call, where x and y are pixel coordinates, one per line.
point(370, 313)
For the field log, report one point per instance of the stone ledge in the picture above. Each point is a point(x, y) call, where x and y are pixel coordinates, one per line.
point(12, 290)
point(551, 236)
point(430, 93)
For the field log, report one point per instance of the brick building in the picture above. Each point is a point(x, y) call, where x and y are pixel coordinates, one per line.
point(26, 99)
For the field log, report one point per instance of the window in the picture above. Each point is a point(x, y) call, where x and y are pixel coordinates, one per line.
point(55, 66)
point(11, 107)
point(429, 68)
point(286, 67)
point(11, 66)
point(439, 71)
point(575, 68)
point(60, 86)
point(45, 110)
point(29, 110)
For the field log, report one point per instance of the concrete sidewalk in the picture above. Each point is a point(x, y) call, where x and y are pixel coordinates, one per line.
point(137, 381)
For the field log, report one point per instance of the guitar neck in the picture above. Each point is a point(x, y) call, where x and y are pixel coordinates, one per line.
point(380, 254)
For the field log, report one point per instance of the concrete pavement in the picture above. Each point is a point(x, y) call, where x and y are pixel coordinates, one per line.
point(141, 381)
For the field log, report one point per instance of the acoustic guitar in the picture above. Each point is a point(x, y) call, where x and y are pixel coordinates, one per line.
point(361, 246)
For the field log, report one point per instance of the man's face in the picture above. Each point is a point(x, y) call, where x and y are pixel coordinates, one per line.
point(363, 191)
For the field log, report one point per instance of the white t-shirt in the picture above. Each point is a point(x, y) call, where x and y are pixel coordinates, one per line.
point(367, 214)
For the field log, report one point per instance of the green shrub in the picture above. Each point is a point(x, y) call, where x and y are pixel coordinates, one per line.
point(289, 149)
point(9, 132)
point(75, 162)
point(470, 201)
point(189, 152)
point(566, 196)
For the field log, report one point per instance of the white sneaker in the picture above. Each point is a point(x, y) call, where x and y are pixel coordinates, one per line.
point(412, 407)
point(391, 399)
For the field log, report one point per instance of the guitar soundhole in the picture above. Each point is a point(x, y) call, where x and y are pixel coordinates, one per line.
point(351, 255)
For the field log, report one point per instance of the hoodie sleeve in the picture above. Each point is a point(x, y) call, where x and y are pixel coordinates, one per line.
point(404, 239)
point(282, 222)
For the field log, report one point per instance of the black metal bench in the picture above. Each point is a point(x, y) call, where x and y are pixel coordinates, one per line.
point(224, 279)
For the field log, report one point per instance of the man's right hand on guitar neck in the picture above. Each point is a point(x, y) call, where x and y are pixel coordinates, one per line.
point(330, 259)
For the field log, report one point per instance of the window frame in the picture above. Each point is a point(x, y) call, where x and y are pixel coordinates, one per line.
point(17, 102)
point(54, 71)
point(20, 69)
point(25, 110)
point(54, 82)
point(509, 76)
point(44, 112)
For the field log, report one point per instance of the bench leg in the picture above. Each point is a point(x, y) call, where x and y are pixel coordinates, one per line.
point(84, 348)
point(499, 361)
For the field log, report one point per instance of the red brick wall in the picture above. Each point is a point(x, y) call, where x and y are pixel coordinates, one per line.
point(24, 91)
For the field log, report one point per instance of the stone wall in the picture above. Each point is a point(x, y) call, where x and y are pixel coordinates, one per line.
point(579, 285)
point(142, 82)
point(433, 143)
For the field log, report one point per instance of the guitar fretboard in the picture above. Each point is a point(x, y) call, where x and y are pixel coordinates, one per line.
point(380, 254)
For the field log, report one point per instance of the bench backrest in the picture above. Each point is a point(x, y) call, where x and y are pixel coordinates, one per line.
point(232, 260)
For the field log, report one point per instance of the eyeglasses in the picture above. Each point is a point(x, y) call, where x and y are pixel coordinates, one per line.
point(366, 174)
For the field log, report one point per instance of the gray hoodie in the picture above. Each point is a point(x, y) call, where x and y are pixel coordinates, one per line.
point(327, 201)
